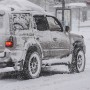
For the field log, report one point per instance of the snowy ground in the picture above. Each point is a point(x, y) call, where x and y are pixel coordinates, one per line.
point(55, 78)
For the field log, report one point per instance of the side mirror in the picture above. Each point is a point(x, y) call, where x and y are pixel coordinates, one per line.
point(2, 13)
point(67, 28)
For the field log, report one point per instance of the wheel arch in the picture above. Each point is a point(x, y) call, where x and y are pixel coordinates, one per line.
point(35, 48)
point(33, 45)
point(79, 45)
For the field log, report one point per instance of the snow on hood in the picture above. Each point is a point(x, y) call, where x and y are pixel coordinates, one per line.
point(20, 5)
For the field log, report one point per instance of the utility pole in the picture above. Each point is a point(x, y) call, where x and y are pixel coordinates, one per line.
point(63, 8)
point(45, 5)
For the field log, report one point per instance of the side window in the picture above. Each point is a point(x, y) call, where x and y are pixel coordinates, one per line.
point(20, 21)
point(53, 24)
point(41, 23)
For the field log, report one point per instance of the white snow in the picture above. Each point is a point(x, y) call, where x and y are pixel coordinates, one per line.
point(72, 5)
point(53, 78)
point(85, 24)
point(77, 5)
point(20, 5)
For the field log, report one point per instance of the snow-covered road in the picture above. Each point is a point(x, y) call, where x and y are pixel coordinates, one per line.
point(53, 82)
point(52, 79)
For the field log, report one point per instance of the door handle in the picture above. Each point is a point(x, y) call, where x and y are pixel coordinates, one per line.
point(55, 39)
point(37, 38)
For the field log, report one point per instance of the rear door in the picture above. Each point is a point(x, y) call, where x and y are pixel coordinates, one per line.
point(43, 35)
point(60, 44)
point(21, 29)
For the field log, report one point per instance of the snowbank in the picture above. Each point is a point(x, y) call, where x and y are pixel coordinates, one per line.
point(85, 24)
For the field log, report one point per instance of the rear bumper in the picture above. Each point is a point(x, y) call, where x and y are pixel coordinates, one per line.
point(3, 54)
point(6, 64)
point(18, 66)
point(16, 55)
point(3, 64)
point(12, 59)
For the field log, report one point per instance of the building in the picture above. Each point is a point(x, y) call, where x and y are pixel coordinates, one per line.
point(88, 9)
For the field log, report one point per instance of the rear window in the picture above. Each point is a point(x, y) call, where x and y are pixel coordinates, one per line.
point(20, 21)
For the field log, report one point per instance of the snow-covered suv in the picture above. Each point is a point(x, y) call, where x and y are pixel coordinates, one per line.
point(30, 40)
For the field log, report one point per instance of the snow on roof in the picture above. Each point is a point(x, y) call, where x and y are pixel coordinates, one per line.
point(77, 5)
point(72, 5)
point(20, 5)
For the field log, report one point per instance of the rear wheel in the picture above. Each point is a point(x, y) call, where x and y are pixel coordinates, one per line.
point(32, 67)
point(78, 61)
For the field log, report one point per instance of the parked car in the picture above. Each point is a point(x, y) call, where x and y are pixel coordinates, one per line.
point(30, 40)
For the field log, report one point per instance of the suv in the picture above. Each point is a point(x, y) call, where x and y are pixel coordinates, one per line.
point(30, 40)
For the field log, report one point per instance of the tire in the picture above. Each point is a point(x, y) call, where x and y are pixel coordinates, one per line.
point(32, 66)
point(78, 61)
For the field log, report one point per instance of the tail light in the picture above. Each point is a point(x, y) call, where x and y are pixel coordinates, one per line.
point(9, 44)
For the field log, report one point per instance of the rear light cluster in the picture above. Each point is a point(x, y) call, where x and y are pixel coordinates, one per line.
point(9, 44)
